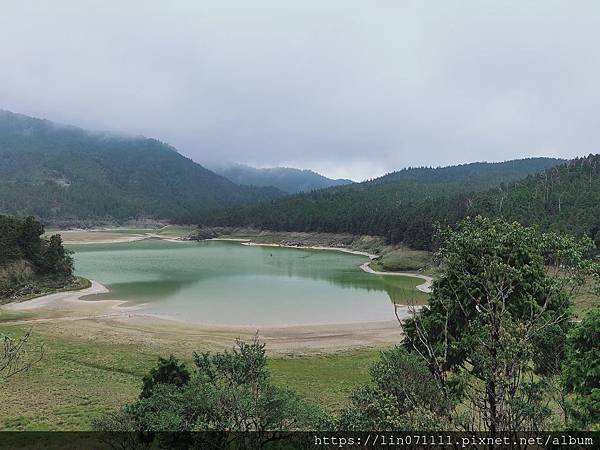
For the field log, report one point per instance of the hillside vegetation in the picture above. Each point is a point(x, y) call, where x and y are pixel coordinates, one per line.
point(30, 264)
point(397, 206)
point(285, 179)
point(60, 174)
point(564, 198)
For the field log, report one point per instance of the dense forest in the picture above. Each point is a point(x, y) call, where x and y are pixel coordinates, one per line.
point(28, 262)
point(564, 198)
point(286, 179)
point(402, 206)
point(60, 174)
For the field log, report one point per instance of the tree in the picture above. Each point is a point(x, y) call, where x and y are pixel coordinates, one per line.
point(404, 396)
point(15, 357)
point(403, 207)
point(229, 391)
point(238, 393)
point(502, 286)
point(29, 263)
point(581, 372)
point(58, 260)
point(30, 240)
point(167, 371)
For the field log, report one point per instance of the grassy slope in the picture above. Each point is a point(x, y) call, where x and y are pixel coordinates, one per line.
point(584, 301)
point(403, 259)
point(78, 380)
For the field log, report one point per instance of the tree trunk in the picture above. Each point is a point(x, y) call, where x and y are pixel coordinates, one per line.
point(493, 405)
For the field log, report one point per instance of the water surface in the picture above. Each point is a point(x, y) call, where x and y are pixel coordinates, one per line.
point(231, 284)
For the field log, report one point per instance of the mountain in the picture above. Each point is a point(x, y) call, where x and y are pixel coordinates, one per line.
point(60, 173)
point(564, 198)
point(390, 206)
point(285, 179)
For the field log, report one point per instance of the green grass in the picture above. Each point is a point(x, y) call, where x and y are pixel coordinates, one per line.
point(78, 380)
point(584, 301)
point(74, 382)
point(327, 380)
point(176, 230)
point(402, 259)
point(12, 316)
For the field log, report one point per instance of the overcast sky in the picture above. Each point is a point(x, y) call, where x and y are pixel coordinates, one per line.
point(348, 88)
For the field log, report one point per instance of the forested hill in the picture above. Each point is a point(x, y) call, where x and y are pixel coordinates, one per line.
point(286, 179)
point(30, 264)
point(564, 198)
point(59, 173)
point(472, 176)
point(388, 206)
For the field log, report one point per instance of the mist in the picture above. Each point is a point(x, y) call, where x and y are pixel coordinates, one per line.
point(349, 89)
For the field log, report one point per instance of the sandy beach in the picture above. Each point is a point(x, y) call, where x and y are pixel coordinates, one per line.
point(68, 238)
point(311, 247)
point(107, 236)
point(69, 314)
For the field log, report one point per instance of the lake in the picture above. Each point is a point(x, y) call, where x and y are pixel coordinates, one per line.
point(225, 283)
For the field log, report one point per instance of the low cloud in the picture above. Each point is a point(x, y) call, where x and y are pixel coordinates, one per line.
point(347, 88)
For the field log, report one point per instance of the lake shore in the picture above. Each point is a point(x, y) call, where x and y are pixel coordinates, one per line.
point(70, 315)
point(122, 235)
point(308, 247)
point(74, 315)
point(425, 287)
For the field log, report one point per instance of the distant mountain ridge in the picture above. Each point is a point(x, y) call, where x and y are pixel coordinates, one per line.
point(286, 179)
point(476, 173)
point(563, 198)
point(398, 206)
point(59, 173)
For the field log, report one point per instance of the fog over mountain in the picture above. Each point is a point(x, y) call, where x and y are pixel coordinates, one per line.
point(345, 88)
point(286, 179)
point(65, 175)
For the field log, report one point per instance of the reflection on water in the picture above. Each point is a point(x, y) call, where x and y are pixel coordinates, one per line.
point(228, 283)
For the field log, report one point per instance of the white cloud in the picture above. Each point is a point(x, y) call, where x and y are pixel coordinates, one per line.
point(350, 88)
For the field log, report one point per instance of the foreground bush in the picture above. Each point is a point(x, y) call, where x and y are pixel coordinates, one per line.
point(231, 390)
point(404, 397)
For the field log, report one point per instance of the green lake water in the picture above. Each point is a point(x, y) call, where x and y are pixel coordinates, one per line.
point(231, 284)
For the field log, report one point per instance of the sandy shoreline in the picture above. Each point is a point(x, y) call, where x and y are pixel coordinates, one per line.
point(425, 287)
point(108, 241)
point(228, 239)
point(68, 314)
point(118, 240)
point(67, 296)
point(311, 247)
